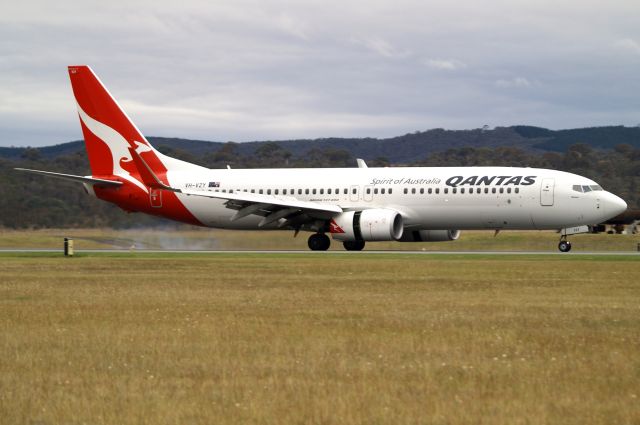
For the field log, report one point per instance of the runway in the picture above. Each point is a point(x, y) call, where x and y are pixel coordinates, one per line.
point(308, 252)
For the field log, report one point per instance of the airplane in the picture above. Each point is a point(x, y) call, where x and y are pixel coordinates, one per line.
point(353, 205)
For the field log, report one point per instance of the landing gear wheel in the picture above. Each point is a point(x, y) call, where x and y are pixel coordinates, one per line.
point(353, 245)
point(564, 246)
point(319, 242)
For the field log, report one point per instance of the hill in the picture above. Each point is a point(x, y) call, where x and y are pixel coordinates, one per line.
point(397, 150)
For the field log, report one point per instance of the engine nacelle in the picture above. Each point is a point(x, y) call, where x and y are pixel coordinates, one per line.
point(367, 225)
point(430, 236)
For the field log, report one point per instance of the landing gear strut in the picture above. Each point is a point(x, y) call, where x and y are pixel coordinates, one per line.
point(319, 242)
point(353, 245)
point(564, 245)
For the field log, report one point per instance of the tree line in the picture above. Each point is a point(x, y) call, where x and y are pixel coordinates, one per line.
point(30, 201)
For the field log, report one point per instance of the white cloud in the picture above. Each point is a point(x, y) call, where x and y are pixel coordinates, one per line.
point(628, 45)
point(382, 47)
point(445, 64)
point(517, 82)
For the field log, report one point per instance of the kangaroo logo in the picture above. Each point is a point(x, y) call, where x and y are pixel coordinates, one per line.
point(123, 165)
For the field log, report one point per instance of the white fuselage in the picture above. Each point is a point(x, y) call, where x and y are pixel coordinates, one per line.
point(427, 197)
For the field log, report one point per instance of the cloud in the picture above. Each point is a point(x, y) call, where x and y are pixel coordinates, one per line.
point(382, 47)
point(628, 44)
point(516, 82)
point(253, 70)
point(445, 64)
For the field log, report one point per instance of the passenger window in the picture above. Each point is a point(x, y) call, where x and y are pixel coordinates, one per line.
point(437, 191)
point(446, 190)
point(508, 190)
point(337, 192)
point(375, 191)
point(253, 191)
point(421, 191)
point(306, 191)
point(517, 190)
point(470, 190)
point(462, 190)
point(284, 191)
point(502, 190)
point(486, 190)
point(299, 191)
point(430, 191)
point(413, 191)
point(328, 191)
point(268, 191)
point(260, 191)
point(390, 191)
point(313, 191)
point(354, 191)
point(321, 191)
point(275, 191)
point(454, 190)
point(382, 191)
point(493, 190)
point(406, 190)
point(345, 191)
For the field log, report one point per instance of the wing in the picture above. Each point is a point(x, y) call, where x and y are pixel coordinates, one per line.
point(271, 208)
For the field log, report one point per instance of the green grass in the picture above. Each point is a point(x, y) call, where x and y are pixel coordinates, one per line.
point(346, 339)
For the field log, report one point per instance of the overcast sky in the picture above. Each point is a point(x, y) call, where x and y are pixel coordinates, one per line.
point(260, 69)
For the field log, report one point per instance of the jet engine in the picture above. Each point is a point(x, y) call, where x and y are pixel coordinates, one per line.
point(430, 236)
point(376, 224)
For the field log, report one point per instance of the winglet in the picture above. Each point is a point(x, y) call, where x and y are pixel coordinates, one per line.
point(361, 163)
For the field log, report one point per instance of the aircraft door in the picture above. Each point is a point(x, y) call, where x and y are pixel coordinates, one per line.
point(353, 193)
point(546, 192)
point(155, 197)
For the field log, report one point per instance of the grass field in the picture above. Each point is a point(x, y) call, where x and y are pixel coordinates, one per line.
point(216, 239)
point(319, 339)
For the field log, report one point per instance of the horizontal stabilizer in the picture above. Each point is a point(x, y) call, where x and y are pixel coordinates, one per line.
point(82, 179)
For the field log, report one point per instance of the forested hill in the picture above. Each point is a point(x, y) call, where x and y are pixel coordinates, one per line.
point(36, 201)
point(398, 150)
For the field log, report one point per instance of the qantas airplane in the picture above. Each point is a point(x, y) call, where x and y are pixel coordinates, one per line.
point(353, 205)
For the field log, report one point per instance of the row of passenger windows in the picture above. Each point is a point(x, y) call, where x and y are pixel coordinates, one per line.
point(462, 190)
point(345, 191)
point(375, 191)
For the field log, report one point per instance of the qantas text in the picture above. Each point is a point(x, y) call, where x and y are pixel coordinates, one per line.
point(456, 181)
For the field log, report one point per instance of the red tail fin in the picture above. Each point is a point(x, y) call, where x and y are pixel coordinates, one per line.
point(108, 131)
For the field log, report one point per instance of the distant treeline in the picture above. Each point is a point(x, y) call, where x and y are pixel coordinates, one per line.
point(30, 201)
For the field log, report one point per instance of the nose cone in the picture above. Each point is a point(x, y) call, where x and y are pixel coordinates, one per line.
point(614, 205)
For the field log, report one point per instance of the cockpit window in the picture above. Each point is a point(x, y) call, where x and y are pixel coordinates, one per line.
point(586, 188)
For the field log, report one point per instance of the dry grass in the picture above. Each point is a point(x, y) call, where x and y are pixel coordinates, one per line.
point(216, 239)
point(321, 339)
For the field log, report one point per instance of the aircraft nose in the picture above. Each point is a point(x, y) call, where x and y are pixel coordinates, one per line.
point(615, 205)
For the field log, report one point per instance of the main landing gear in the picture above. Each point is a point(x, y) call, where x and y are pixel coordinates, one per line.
point(564, 245)
point(319, 242)
point(353, 245)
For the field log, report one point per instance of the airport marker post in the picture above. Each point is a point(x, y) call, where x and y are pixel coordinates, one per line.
point(68, 247)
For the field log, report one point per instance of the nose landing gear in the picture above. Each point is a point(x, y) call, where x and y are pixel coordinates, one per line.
point(564, 245)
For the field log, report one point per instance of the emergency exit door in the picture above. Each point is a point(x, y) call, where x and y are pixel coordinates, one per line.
point(546, 192)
